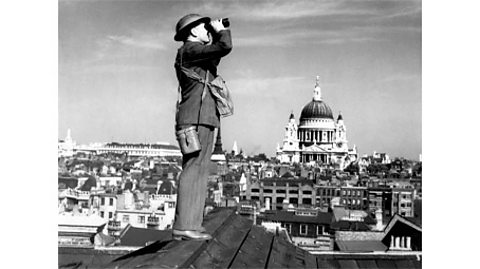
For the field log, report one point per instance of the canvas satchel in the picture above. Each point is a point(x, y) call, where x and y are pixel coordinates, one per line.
point(219, 90)
point(223, 97)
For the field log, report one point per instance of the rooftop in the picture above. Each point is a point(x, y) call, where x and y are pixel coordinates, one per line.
point(236, 243)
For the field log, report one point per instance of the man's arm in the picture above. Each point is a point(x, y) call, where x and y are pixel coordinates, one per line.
point(221, 46)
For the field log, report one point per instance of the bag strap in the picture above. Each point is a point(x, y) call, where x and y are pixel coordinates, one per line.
point(203, 90)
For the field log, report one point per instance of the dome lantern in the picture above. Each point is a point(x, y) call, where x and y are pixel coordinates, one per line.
point(317, 92)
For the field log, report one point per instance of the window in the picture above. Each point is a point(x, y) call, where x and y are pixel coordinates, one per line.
point(293, 191)
point(307, 192)
point(103, 200)
point(141, 219)
point(281, 191)
point(102, 214)
point(288, 226)
point(126, 218)
point(111, 201)
point(303, 229)
point(255, 190)
point(343, 192)
point(320, 230)
point(110, 215)
point(267, 191)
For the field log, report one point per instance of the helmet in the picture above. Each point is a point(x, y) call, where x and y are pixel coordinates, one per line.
point(186, 23)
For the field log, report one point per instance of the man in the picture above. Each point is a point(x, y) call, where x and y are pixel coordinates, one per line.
point(197, 108)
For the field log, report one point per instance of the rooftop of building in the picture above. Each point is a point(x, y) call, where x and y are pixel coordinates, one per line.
point(236, 243)
point(288, 216)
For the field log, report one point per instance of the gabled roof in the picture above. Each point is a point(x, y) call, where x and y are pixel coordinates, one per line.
point(89, 183)
point(167, 188)
point(397, 218)
point(314, 148)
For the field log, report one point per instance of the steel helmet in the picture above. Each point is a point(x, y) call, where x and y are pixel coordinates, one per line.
point(186, 23)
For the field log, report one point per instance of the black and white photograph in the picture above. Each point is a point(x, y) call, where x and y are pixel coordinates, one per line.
point(240, 134)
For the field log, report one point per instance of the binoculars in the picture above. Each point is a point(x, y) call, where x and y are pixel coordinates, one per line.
point(225, 22)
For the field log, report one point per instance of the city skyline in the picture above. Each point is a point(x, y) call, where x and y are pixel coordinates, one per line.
point(117, 83)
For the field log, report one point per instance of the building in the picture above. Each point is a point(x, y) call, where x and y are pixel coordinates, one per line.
point(318, 138)
point(401, 234)
point(78, 231)
point(66, 147)
point(402, 201)
point(140, 149)
point(307, 228)
point(350, 197)
point(280, 193)
point(69, 198)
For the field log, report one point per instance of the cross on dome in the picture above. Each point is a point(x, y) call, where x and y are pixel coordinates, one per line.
point(317, 92)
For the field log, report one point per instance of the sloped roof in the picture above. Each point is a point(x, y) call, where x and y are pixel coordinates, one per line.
point(287, 174)
point(132, 236)
point(67, 182)
point(167, 188)
point(350, 226)
point(238, 243)
point(361, 245)
point(397, 218)
point(89, 183)
point(285, 216)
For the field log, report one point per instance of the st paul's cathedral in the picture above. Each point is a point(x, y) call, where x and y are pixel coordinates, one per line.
point(318, 138)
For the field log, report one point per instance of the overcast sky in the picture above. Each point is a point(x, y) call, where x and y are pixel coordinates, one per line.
point(117, 82)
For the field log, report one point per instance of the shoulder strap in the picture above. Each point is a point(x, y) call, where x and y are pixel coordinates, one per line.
point(205, 81)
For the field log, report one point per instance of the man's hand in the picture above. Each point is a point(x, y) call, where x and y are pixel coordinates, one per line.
point(217, 25)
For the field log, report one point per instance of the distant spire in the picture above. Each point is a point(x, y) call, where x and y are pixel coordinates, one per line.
point(339, 116)
point(317, 92)
point(291, 115)
point(235, 148)
point(218, 144)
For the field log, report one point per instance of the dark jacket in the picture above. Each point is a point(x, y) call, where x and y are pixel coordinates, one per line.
point(200, 58)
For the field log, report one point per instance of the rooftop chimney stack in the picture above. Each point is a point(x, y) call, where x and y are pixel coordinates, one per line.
point(379, 218)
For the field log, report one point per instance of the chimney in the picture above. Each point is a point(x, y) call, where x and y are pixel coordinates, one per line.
point(397, 242)
point(379, 218)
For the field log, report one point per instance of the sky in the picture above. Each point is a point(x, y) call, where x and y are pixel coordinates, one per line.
point(116, 80)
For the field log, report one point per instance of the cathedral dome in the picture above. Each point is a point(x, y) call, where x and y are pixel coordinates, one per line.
point(316, 109)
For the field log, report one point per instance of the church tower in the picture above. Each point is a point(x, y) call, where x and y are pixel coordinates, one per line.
point(290, 139)
point(289, 152)
point(218, 154)
point(341, 140)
